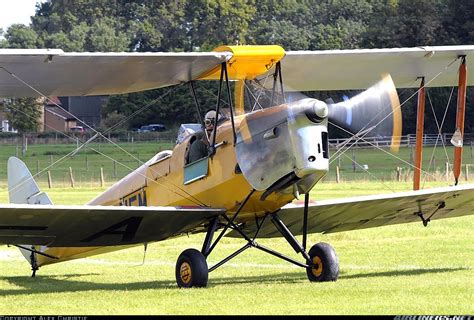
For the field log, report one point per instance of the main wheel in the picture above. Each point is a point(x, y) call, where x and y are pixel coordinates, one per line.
point(191, 269)
point(325, 263)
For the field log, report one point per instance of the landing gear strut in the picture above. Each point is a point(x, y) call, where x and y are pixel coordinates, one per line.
point(321, 261)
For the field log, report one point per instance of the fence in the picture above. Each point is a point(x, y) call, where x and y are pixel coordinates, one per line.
point(408, 140)
point(85, 166)
point(75, 137)
point(170, 136)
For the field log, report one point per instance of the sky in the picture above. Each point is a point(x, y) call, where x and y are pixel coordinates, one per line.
point(16, 11)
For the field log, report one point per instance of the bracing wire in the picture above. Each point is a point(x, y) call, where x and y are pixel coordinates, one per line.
point(107, 139)
point(341, 151)
point(439, 127)
point(71, 153)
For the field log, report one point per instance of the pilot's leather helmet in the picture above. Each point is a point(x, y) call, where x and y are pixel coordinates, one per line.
point(210, 118)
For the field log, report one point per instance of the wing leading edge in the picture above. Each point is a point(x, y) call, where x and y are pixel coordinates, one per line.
point(354, 213)
point(56, 73)
point(88, 226)
point(361, 68)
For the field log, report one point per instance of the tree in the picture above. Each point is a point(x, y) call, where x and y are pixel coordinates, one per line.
point(114, 120)
point(457, 22)
point(404, 23)
point(211, 23)
point(21, 37)
point(23, 114)
point(201, 25)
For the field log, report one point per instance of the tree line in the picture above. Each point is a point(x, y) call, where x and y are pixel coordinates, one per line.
point(201, 25)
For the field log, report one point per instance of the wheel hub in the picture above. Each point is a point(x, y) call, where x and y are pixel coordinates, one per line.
point(317, 268)
point(185, 272)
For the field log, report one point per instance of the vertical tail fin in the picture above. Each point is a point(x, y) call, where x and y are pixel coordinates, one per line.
point(22, 189)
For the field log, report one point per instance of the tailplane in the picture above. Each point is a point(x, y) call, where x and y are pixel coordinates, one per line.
point(22, 189)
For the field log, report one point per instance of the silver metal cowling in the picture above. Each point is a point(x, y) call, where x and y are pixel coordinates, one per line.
point(306, 137)
point(277, 141)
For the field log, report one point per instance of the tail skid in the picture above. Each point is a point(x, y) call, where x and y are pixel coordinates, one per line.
point(22, 189)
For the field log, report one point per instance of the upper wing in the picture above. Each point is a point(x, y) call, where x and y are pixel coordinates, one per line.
point(373, 211)
point(86, 226)
point(359, 69)
point(56, 73)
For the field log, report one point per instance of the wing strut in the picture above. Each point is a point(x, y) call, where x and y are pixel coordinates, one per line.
point(460, 118)
point(420, 116)
point(196, 102)
point(224, 74)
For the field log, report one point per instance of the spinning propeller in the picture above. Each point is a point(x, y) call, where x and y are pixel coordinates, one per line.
point(372, 113)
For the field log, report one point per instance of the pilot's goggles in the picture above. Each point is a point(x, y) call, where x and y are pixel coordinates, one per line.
point(209, 121)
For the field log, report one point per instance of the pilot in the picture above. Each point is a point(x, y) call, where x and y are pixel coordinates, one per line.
point(199, 147)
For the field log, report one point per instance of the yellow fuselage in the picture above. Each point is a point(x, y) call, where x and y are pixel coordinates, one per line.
point(161, 183)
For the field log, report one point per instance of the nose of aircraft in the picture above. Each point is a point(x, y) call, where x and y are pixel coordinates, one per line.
point(284, 144)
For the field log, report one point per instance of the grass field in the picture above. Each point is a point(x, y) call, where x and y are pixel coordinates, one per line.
point(405, 269)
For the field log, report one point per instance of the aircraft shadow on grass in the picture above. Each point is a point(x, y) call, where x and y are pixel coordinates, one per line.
point(48, 284)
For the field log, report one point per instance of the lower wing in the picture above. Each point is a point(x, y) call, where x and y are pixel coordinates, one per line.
point(89, 226)
point(372, 211)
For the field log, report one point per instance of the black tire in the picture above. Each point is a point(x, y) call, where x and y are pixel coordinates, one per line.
point(326, 264)
point(191, 269)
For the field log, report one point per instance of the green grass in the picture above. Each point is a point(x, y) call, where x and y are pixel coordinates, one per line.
point(404, 269)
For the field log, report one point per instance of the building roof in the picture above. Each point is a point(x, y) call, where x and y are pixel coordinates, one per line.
point(60, 113)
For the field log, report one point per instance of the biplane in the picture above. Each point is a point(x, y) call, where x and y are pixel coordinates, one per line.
point(258, 161)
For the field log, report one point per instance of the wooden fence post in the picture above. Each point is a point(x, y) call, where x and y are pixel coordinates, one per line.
point(399, 174)
point(447, 171)
point(337, 174)
point(353, 161)
point(71, 177)
point(102, 181)
point(50, 181)
point(467, 171)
